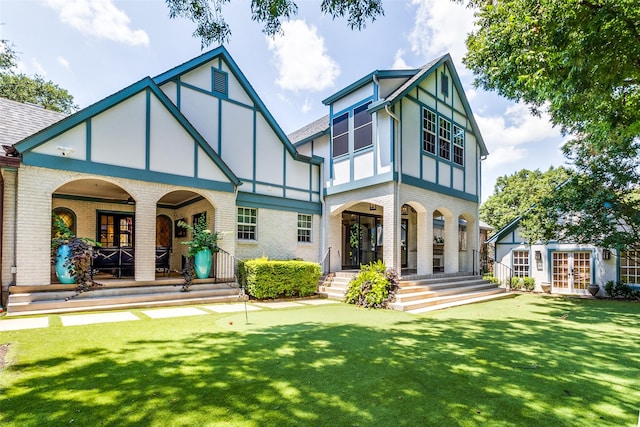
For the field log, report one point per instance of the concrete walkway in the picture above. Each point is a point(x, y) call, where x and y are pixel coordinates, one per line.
point(158, 313)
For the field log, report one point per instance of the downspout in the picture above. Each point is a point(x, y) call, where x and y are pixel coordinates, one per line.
point(397, 160)
point(1, 235)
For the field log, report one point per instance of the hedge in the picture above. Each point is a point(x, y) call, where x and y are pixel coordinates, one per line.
point(266, 279)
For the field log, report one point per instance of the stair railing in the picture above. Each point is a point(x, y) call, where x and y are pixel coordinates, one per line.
point(225, 268)
point(503, 273)
point(325, 262)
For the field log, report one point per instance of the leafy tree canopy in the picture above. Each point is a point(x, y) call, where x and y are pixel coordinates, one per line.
point(580, 60)
point(212, 27)
point(36, 90)
point(515, 194)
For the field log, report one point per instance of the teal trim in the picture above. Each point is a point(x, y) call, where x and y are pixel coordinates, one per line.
point(618, 267)
point(500, 234)
point(218, 96)
point(195, 159)
point(86, 199)
point(178, 93)
point(254, 166)
point(417, 182)
point(284, 173)
point(251, 200)
point(361, 183)
point(42, 160)
point(223, 55)
point(26, 145)
point(279, 186)
point(147, 131)
point(369, 78)
point(88, 138)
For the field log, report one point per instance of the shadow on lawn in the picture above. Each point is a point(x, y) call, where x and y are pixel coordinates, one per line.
point(545, 371)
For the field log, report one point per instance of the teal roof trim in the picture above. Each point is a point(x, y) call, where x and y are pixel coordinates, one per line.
point(252, 200)
point(380, 74)
point(504, 231)
point(426, 71)
point(26, 145)
point(221, 52)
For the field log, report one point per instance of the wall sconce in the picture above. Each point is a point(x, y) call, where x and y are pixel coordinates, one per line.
point(372, 207)
point(538, 256)
point(65, 151)
point(404, 210)
point(606, 254)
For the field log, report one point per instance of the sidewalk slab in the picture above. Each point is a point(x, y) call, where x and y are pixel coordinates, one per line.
point(278, 304)
point(318, 301)
point(89, 319)
point(163, 313)
point(19, 324)
point(231, 308)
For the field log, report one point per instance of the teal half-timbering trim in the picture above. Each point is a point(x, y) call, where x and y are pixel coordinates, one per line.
point(147, 131)
point(280, 187)
point(361, 183)
point(426, 185)
point(251, 200)
point(64, 163)
point(380, 74)
point(183, 204)
point(25, 146)
point(88, 138)
point(223, 55)
point(254, 167)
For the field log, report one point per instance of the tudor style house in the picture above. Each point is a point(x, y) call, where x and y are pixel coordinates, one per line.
point(392, 173)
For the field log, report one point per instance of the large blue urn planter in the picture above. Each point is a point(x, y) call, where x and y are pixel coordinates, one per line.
point(64, 272)
point(203, 263)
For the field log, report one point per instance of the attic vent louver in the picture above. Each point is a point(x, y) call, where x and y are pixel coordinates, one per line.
point(219, 82)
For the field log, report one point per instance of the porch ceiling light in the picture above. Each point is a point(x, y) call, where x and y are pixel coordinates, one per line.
point(131, 201)
point(372, 207)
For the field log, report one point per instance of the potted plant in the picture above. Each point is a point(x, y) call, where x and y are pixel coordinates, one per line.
point(71, 256)
point(202, 245)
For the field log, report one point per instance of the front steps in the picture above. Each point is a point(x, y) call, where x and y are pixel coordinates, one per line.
point(116, 295)
point(419, 294)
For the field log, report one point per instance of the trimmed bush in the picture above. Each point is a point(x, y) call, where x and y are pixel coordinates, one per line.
point(523, 283)
point(266, 279)
point(621, 290)
point(373, 287)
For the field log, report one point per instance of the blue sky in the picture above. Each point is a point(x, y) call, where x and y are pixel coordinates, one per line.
point(94, 48)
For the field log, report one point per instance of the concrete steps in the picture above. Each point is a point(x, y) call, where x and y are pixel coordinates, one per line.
point(419, 294)
point(27, 300)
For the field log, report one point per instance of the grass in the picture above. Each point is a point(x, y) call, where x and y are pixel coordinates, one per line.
point(529, 360)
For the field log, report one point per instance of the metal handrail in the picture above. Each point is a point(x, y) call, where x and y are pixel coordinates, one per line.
point(225, 268)
point(325, 262)
point(500, 271)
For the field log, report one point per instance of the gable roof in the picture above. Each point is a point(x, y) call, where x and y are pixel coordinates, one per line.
point(311, 131)
point(507, 229)
point(221, 52)
point(33, 141)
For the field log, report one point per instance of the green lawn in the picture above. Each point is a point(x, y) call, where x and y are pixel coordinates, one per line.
point(524, 361)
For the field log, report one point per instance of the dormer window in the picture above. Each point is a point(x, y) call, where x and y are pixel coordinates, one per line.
point(362, 134)
point(219, 82)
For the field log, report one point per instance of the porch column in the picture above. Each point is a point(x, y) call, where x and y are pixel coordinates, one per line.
point(334, 239)
point(391, 235)
point(425, 243)
point(145, 243)
point(473, 246)
point(451, 261)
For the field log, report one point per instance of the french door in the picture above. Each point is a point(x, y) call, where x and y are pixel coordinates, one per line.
point(571, 271)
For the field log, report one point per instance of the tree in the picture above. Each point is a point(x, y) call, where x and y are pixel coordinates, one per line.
point(211, 26)
point(515, 194)
point(36, 90)
point(580, 60)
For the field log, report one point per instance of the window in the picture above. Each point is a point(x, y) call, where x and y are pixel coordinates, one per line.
point(247, 223)
point(304, 228)
point(340, 140)
point(115, 230)
point(219, 82)
point(428, 131)
point(458, 145)
point(630, 266)
point(521, 263)
point(444, 84)
point(68, 217)
point(362, 128)
point(445, 139)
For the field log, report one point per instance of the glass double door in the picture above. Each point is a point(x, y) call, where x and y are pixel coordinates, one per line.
point(115, 230)
point(361, 239)
point(571, 270)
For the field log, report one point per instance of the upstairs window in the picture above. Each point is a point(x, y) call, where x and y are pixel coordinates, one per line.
point(458, 145)
point(428, 131)
point(340, 128)
point(445, 138)
point(362, 128)
point(247, 223)
point(304, 228)
point(444, 84)
point(219, 82)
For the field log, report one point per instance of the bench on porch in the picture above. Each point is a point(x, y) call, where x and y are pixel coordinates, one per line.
point(120, 262)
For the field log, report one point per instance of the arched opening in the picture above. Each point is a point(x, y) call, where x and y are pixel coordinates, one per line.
point(438, 241)
point(362, 235)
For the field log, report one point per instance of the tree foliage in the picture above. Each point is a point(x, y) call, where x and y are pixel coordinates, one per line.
point(515, 194)
point(36, 90)
point(580, 60)
point(211, 26)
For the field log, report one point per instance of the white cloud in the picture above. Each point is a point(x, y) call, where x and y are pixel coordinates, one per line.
point(306, 107)
point(38, 68)
point(62, 61)
point(100, 19)
point(399, 62)
point(441, 27)
point(301, 58)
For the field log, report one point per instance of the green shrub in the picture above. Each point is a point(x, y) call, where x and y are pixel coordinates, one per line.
point(490, 277)
point(266, 279)
point(373, 287)
point(621, 290)
point(523, 283)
